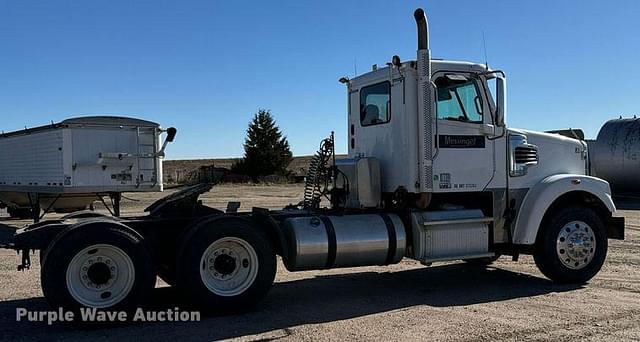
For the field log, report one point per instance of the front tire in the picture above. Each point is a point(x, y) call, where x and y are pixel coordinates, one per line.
point(101, 266)
point(572, 246)
point(227, 265)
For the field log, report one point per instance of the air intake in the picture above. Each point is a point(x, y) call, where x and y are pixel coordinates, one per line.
point(522, 156)
point(526, 154)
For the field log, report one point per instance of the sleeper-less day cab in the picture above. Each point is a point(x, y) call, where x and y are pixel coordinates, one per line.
point(433, 174)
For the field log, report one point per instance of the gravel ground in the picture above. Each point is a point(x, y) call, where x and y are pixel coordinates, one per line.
point(449, 302)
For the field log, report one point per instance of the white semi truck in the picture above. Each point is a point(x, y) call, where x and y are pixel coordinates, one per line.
point(433, 174)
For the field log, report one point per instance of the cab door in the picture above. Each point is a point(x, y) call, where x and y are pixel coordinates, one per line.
point(379, 126)
point(464, 150)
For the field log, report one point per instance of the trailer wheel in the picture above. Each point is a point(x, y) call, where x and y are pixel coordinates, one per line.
point(227, 266)
point(102, 266)
point(572, 246)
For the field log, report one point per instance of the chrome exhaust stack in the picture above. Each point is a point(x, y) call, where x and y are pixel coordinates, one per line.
point(423, 29)
point(426, 104)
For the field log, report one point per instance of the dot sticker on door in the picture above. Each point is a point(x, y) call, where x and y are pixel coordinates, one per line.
point(445, 181)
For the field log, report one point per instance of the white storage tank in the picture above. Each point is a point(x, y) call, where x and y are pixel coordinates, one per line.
point(615, 155)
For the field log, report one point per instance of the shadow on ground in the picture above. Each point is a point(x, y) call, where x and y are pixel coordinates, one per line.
point(308, 301)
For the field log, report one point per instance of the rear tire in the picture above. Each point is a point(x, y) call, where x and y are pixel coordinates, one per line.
point(102, 266)
point(226, 266)
point(572, 245)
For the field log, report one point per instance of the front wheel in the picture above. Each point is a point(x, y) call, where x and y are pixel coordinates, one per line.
point(573, 245)
point(226, 266)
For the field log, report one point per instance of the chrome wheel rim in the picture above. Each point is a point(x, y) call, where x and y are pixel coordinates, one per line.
point(100, 276)
point(576, 245)
point(229, 266)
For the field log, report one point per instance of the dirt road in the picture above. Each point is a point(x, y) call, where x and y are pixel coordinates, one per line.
point(449, 302)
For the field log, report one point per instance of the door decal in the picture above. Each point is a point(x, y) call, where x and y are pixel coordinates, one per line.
point(461, 141)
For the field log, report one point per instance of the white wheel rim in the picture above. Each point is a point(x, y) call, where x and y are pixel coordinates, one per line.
point(229, 266)
point(100, 276)
point(576, 245)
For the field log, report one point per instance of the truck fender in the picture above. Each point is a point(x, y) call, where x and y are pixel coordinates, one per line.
point(101, 221)
point(210, 222)
point(196, 225)
point(259, 220)
point(272, 228)
point(542, 195)
point(98, 220)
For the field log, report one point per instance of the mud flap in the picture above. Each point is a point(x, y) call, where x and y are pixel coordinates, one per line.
point(615, 228)
point(7, 234)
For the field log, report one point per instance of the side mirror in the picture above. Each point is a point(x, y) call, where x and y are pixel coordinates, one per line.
point(501, 100)
point(171, 134)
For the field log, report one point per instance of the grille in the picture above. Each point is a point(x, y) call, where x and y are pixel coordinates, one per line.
point(526, 154)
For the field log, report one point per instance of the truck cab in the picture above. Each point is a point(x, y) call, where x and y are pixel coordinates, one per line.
point(383, 123)
point(438, 131)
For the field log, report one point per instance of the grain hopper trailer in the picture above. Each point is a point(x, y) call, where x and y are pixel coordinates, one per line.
point(65, 166)
point(433, 174)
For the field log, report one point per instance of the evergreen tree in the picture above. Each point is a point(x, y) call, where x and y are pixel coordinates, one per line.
point(266, 150)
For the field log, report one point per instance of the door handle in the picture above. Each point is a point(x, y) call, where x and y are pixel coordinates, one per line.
point(488, 129)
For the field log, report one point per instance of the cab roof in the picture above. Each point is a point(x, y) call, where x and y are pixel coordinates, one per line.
point(436, 64)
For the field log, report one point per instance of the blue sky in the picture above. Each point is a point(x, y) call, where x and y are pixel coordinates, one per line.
point(206, 66)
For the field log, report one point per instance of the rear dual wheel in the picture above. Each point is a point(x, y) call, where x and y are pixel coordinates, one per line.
point(101, 265)
point(226, 266)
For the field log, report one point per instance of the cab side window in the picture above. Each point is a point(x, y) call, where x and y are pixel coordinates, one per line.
point(375, 104)
point(458, 99)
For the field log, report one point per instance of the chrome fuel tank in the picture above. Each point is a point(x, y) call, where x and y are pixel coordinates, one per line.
point(321, 242)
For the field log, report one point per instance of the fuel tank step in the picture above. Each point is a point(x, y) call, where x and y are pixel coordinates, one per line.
point(450, 235)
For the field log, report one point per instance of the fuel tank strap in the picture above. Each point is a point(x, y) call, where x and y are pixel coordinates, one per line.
point(331, 235)
point(393, 240)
